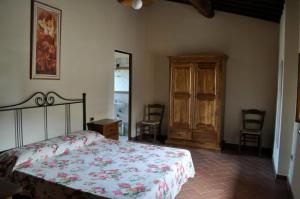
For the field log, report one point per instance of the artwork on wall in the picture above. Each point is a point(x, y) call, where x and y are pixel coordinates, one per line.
point(298, 93)
point(45, 41)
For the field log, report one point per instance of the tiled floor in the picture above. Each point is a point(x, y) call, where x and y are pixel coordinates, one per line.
point(229, 176)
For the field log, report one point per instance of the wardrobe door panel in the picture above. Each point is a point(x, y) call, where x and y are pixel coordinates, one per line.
point(204, 114)
point(205, 108)
point(205, 78)
point(181, 95)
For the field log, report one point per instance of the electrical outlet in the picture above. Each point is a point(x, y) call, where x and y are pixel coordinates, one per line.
point(91, 119)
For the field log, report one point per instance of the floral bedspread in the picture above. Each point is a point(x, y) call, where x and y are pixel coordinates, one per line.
point(28, 154)
point(107, 169)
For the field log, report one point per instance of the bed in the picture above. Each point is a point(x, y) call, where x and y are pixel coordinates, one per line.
point(84, 164)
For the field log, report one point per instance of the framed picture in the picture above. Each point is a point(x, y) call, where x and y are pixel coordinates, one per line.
point(45, 41)
point(298, 93)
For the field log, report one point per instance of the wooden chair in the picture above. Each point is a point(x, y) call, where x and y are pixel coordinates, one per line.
point(253, 121)
point(152, 121)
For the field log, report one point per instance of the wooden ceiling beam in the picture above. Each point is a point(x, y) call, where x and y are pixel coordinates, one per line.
point(254, 8)
point(204, 7)
point(269, 10)
point(249, 13)
point(181, 1)
point(250, 4)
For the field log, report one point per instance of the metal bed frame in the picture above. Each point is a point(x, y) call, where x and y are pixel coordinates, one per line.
point(43, 100)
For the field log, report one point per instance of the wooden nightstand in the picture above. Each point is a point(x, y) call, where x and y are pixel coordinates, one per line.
point(109, 128)
point(8, 189)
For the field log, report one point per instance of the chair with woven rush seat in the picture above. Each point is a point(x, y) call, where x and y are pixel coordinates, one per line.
point(253, 121)
point(152, 121)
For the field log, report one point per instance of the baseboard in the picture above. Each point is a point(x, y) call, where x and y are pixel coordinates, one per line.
point(277, 176)
point(289, 188)
point(283, 178)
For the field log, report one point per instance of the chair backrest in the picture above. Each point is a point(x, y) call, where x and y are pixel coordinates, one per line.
point(155, 112)
point(253, 119)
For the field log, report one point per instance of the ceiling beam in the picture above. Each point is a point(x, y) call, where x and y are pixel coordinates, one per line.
point(204, 7)
point(249, 13)
point(269, 10)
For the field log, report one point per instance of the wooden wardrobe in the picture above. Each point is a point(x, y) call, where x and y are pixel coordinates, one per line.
point(197, 88)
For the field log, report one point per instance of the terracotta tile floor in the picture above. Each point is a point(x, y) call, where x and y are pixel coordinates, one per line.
point(229, 176)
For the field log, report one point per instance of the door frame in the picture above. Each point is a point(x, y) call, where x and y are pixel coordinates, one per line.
point(130, 92)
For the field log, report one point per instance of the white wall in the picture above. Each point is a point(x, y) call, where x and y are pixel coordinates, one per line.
point(252, 47)
point(91, 31)
point(280, 80)
point(294, 172)
point(289, 55)
point(286, 157)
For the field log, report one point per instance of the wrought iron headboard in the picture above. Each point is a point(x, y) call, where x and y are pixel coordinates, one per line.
point(44, 100)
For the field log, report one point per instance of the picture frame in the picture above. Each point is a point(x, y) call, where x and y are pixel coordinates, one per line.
point(45, 48)
point(298, 93)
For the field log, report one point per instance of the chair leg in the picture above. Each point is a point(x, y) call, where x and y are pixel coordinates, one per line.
point(240, 144)
point(142, 131)
point(136, 131)
point(259, 146)
point(158, 132)
point(244, 141)
point(155, 132)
